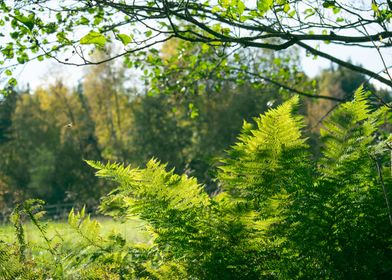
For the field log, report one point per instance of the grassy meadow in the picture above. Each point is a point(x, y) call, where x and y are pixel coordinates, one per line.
point(132, 230)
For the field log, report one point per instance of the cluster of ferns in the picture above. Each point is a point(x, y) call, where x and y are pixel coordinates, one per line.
point(280, 213)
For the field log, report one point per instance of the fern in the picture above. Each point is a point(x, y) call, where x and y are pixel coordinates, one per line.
point(269, 160)
point(176, 207)
point(88, 230)
point(186, 222)
point(94, 256)
point(347, 136)
point(158, 196)
point(342, 225)
point(24, 267)
point(11, 267)
point(193, 233)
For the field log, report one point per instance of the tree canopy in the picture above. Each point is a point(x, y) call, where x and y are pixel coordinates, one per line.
point(67, 30)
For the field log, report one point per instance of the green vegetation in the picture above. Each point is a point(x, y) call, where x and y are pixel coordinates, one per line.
point(132, 230)
point(222, 158)
point(66, 32)
point(80, 251)
point(49, 131)
point(280, 214)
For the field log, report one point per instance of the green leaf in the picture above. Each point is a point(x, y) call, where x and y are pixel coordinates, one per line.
point(329, 4)
point(286, 7)
point(215, 9)
point(95, 38)
point(14, 35)
point(59, 17)
point(124, 38)
point(23, 58)
point(98, 18)
point(194, 112)
point(62, 37)
point(84, 21)
point(12, 82)
point(148, 33)
point(27, 21)
point(264, 5)
point(8, 51)
point(374, 7)
point(336, 10)
point(205, 48)
point(241, 7)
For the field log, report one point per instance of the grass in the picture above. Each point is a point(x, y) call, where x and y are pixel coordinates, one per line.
point(67, 252)
point(132, 230)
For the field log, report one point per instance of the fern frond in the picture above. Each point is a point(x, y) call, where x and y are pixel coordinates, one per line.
point(347, 199)
point(12, 268)
point(164, 199)
point(88, 230)
point(271, 158)
point(348, 135)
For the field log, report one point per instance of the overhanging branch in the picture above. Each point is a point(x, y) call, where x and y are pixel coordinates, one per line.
point(343, 63)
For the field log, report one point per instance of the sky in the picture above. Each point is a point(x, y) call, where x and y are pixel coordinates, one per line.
point(37, 73)
point(368, 58)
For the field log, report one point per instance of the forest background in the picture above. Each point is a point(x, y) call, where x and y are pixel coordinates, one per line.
point(180, 89)
point(46, 133)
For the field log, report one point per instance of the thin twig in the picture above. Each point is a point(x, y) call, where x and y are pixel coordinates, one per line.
point(381, 179)
point(379, 52)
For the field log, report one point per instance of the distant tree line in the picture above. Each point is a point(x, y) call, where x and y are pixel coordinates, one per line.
point(46, 134)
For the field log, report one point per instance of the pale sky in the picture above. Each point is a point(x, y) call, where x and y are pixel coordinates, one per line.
point(368, 58)
point(40, 73)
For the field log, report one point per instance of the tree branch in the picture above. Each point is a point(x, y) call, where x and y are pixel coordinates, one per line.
point(345, 64)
